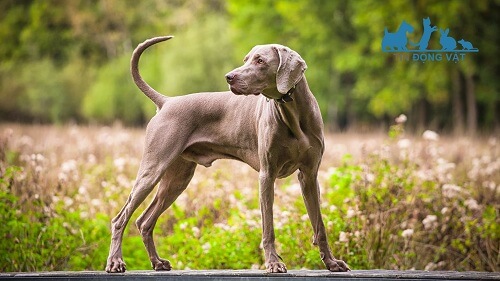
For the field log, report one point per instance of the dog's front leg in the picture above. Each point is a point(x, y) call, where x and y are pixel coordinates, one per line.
point(272, 259)
point(310, 191)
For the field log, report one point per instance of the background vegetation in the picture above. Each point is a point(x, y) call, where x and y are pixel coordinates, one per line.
point(66, 61)
point(390, 203)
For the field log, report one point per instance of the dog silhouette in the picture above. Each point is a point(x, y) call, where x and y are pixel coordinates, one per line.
point(397, 40)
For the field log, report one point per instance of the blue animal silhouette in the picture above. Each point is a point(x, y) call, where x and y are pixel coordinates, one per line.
point(426, 36)
point(397, 40)
point(448, 43)
point(466, 45)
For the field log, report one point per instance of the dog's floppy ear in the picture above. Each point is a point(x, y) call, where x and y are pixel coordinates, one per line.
point(290, 69)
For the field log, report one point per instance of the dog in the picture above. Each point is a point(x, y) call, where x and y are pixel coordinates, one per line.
point(269, 119)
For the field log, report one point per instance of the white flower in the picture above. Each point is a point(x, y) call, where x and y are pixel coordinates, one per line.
point(304, 217)
point(206, 247)
point(343, 237)
point(369, 177)
point(95, 202)
point(350, 213)
point(404, 143)
point(333, 208)
point(407, 233)
point(471, 204)
point(451, 190)
point(68, 201)
point(430, 222)
point(430, 135)
point(120, 163)
point(183, 225)
point(69, 166)
point(401, 119)
point(196, 231)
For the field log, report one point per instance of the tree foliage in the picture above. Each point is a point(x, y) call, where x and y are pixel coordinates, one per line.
point(67, 60)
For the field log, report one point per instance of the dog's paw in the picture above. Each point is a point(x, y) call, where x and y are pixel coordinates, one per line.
point(276, 267)
point(161, 265)
point(336, 265)
point(115, 265)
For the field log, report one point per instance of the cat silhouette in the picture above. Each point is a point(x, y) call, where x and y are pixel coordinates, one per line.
point(466, 45)
point(397, 40)
point(448, 43)
point(426, 36)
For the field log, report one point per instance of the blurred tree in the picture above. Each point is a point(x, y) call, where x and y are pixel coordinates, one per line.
point(62, 54)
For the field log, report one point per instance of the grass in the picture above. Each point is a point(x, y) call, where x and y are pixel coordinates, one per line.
point(392, 202)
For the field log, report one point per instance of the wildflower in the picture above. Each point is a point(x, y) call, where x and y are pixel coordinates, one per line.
point(401, 119)
point(404, 143)
point(451, 190)
point(407, 233)
point(183, 225)
point(206, 247)
point(489, 184)
point(84, 215)
point(350, 213)
point(82, 190)
point(343, 237)
point(68, 201)
point(430, 135)
point(369, 177)
point(95, 202)
point(333, 208)
point(430, 222)
point(120, 163)
point(304, 217)
point(471, 204)
point(196, 231)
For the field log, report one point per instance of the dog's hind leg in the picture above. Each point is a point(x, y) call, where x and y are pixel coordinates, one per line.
point(160, 151)
point(173, 183)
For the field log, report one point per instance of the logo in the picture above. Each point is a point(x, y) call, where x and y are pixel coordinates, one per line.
point(397, 43)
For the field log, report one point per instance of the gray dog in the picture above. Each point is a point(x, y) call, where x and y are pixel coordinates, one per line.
point(269, 120)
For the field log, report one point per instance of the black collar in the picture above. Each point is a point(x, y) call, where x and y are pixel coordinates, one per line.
point(287, 97)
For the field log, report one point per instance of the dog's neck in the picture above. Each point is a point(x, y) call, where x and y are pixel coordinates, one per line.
point(291, 113)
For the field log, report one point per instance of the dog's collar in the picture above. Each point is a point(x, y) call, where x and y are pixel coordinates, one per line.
point(287, 97)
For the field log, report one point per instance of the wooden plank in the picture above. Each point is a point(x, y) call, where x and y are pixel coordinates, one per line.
point(254, 275)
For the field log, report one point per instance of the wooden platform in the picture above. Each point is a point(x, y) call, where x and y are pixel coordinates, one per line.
point(226, 275)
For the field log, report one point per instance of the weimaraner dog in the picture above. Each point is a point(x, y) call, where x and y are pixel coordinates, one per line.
point(269, 120)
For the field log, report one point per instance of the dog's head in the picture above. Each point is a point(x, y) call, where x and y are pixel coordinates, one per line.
point(271, 70)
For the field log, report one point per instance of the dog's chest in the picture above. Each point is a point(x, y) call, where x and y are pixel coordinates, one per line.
point(287, 156)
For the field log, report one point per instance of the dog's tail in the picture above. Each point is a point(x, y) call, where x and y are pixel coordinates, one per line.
point(151, 93)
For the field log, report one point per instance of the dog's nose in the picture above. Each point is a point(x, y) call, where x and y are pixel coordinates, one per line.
point(230, 77)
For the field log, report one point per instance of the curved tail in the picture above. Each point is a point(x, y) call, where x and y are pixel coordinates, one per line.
point(151, 93)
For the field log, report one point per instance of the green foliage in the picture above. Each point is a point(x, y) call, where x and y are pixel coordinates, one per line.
point(36, 237)
point(354, 82)
point(113, 96)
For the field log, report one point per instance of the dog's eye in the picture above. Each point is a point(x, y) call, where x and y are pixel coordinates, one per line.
point(260, 61)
